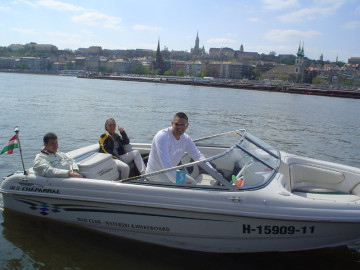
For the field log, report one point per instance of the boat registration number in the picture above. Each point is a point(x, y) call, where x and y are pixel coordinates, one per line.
point(269, 229)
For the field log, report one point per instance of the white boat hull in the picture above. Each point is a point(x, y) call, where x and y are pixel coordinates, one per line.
point(191, 230)
point(273, 209)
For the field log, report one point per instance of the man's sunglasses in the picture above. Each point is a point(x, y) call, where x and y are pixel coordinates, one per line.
point(181, 124)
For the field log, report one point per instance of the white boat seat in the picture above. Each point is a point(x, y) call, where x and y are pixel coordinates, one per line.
point(310, 176)
point(194, 172)
point(99, 166)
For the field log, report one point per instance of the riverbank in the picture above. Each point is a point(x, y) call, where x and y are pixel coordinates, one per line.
point(305, 89)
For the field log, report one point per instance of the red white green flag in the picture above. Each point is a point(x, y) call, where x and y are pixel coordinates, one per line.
point(11, 145)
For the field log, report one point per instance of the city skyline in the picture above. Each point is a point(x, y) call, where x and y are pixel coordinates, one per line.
point(327, 27)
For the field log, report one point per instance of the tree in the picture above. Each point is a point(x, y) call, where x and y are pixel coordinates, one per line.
point(203, 73)
point(180, 72)
point(168, 73)
point(318, 80)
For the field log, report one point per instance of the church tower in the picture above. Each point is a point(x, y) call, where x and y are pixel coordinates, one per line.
point(196, 51)
point(299, 63)
point(159, 61)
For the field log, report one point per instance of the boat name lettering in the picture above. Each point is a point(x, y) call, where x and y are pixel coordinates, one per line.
point(269, 229)
point(102, 172)
point(150, 227)
point(42, 190)
point(125, 225)
point(89, 220)
point(137, 226)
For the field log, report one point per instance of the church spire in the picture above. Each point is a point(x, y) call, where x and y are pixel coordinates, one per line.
point(159, 61)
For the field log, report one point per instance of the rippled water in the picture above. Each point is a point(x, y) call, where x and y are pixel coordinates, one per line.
point(76, 109)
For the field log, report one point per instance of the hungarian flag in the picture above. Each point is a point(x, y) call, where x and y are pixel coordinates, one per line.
point(9, 148)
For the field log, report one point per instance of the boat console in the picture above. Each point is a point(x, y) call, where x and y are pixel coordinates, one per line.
point(99, 166)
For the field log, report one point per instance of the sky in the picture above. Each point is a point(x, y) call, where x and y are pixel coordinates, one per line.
point(325, 27)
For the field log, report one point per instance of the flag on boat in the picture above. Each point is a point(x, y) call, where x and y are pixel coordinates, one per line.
point(11, 145)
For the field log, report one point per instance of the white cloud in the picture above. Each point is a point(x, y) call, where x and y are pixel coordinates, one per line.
point(290, 35)
point(98, 19)
point(146, 27)
point(352, 25)
point(4, 8)
point(27, 31)
point(319, 8)
point(357, 10)
point(254, 19)
point(58, 5)
point(279, 4)
point(26, 2)
point(221, 41)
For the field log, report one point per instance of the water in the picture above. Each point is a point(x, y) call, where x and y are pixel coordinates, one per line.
point(76, 109)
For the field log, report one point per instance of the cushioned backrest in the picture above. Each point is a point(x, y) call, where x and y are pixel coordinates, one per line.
point(309, 175)
point(193, 171)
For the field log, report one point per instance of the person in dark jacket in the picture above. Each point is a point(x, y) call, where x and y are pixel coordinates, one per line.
point(114, 144)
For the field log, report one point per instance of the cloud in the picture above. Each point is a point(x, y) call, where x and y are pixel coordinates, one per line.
point(58, 5)
point(146, 27)
point(352, 25)
point(279, 4)
point(319, 8)
point(290, 35)
point(254, 19)
point(4, 8)
point(97, 19)
point(221, 41)
point(27, 31)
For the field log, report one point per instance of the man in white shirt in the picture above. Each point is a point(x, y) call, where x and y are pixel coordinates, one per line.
point(53, 163)
point(169, 146)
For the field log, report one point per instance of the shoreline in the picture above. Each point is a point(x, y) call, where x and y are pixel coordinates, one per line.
point(303, 89)
point(250, 85)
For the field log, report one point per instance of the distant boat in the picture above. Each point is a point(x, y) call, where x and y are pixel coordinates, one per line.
point(74, 73)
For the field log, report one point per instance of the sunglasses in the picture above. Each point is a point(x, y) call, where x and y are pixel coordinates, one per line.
point(181, 124)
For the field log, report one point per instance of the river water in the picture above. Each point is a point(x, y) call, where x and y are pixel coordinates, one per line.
point(75, 109)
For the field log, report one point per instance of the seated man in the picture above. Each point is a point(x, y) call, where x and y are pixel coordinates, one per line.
point(169, 146)
point(52, 163)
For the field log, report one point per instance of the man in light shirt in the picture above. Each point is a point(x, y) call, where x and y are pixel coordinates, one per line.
point(52, 163)
point(169, 146)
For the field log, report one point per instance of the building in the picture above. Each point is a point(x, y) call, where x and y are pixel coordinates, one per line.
point(159, 61)
point(176, 66)
point(193, 68)
point(92, 64)
point(213, 69)
point(221, 53)
point(119, 66)
point(15, 47)
point(354, 60)
point(300, 64)
point(80, 63)
point(196, 51)
point(7, 62)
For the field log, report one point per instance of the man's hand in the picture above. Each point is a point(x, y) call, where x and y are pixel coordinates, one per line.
point(75, 174)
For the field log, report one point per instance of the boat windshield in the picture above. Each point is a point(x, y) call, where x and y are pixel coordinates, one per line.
point(248, 163)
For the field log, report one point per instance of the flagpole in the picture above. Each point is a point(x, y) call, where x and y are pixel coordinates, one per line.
point(18, 139)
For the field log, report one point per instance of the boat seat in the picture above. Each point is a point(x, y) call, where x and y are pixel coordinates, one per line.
point(194, 172)
point(302, 176)
point(99, 166)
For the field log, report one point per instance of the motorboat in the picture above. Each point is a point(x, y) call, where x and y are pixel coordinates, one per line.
point(246, 196)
